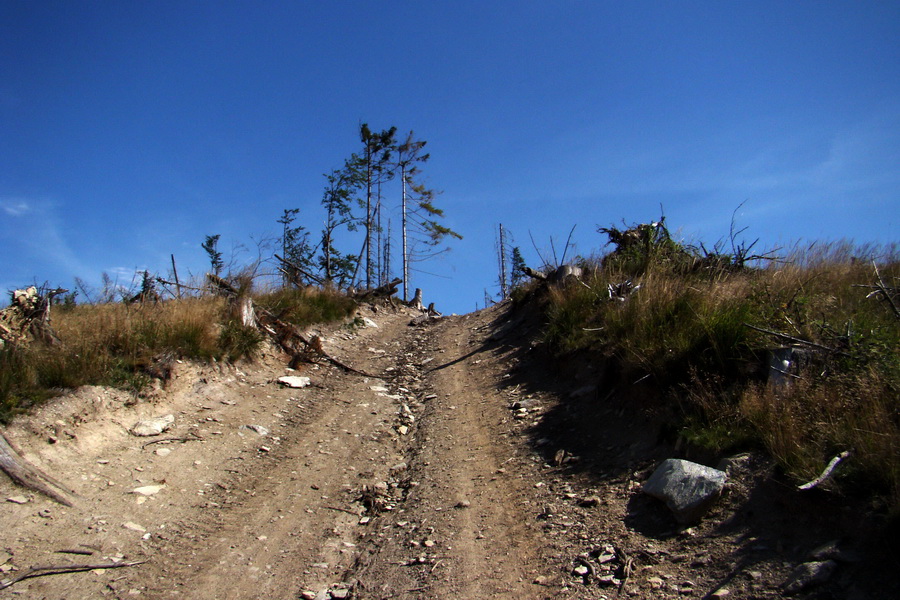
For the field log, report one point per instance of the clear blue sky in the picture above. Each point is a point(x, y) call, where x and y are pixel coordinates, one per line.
point(131, 130)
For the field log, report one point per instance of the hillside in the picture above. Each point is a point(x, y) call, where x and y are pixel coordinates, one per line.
point(471, 467)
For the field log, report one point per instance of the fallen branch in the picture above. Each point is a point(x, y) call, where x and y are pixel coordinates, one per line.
point(346, 510)
point(284, 334)
point(293, 266)
point(192, 438)
point(826, 473)
point(382, 291)
point(29, 476)
point(81, 551)
point(796, 340)
point(534, 274)
point(58, 569)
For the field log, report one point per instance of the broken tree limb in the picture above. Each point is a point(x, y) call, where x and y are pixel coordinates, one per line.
point(286, 335)
point(303, 272)
point(796, 340)
point(826, 473)
point(539, 275)
point(191, 438)
point(382, 291)
point(29, 476)
point(59, 569)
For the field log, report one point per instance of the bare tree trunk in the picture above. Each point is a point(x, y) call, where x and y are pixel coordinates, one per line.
point(177, 283)
point(504, 287)
point(403, 226)
point(417, 300)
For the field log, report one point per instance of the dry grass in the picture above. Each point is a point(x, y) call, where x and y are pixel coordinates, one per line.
point(687, 329)
point(117, 344)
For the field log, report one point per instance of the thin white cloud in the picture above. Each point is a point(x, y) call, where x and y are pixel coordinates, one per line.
point(15, 207)
point(36, 238)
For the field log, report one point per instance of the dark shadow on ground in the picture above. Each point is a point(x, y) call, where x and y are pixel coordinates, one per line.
point(609, 430)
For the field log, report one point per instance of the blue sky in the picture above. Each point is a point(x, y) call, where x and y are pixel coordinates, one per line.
point(131, 130)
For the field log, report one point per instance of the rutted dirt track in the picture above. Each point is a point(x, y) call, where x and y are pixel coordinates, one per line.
point(454, 475)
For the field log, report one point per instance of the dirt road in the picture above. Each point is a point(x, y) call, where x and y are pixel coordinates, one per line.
point(370, 487)
point(456, 473)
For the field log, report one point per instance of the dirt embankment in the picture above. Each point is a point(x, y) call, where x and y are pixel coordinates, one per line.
point(470, 469)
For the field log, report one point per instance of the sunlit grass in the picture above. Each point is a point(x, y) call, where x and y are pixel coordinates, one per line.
point(690, 331)
point(114, 344)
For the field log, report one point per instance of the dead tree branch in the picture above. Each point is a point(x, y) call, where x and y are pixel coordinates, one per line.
point(382, 291)
point(298, 269)
point(826, 473)
point(796, 340)
point(58, 569)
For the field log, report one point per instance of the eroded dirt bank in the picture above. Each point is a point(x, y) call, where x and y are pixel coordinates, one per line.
point(456, 474)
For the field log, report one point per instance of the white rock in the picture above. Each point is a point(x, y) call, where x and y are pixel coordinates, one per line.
point(294, 381)
point(163, 451)
point(258, 429)
point(17, 499)
point(147, 490)
point(133, 527)
point(153, 426)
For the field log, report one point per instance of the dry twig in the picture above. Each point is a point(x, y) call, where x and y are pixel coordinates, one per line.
point(58, 569)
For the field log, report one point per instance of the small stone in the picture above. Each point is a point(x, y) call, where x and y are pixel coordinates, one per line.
point(151, 427)
point(540, 580)
point(45, 514)
point(402, 429)
point(463, 504)
point(163, 451)
point(133, 527)
point(308, 595)
point(808, 575)
point(340, 593)
point(656, 583)
point(580, 571)
point(590, 501)
point(257, 429)
point(428, 543)
point(17, 499)
point(606, 557)
point(292, 381)
point(608, 579)
point(265, 449)
point(147, 490)
point(721, 593)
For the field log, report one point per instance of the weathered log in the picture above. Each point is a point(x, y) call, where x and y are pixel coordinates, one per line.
point(382, 291)
point(29, 476)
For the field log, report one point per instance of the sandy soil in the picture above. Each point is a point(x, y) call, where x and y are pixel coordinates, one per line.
point(469, 468)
